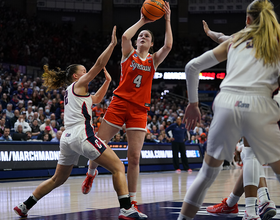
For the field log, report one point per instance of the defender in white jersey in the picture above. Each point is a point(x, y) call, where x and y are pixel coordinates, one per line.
point(78, 137)
point(253, 171)
point(242, 109)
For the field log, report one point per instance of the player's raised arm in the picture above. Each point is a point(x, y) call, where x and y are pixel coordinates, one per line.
point(215, 36)
point(99, 95)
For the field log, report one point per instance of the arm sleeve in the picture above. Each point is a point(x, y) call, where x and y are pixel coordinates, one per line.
point(192, 70)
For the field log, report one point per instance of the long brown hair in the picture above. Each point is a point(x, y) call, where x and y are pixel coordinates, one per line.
point(264, 31)
point(60, 78)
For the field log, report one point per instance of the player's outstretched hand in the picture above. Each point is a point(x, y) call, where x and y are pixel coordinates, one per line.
point(107, 75)
point(114, 40)
point(205, 27)
point(167, 11)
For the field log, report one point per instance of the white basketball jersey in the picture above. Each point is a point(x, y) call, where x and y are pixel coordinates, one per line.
point(244, 70)
point(77, 108)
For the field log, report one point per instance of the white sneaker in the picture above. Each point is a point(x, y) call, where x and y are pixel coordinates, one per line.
point(248, 217)
point(267, 210)
point(21, 210)
point(132, 214)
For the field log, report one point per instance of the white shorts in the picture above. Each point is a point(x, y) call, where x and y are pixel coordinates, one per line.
point(77, 141)
point(238, 114)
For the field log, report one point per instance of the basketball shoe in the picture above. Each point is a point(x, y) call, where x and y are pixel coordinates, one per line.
point(134, 204)
point(87, 184)
point(21, 210)
point(132, 214)
point(267, 210)
point(223, 209)
point(248, 217)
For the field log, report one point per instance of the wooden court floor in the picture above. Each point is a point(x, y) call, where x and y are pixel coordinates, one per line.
point(160, 195)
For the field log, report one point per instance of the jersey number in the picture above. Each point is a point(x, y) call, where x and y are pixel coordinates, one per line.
point(66, 97)
point(137, 81)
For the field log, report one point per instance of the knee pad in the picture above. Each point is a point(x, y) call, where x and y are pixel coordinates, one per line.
point(251, 171)
point(205, 177)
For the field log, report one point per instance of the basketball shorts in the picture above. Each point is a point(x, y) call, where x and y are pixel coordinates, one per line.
point(238, 114)
point(77, 141)
point(121, 111)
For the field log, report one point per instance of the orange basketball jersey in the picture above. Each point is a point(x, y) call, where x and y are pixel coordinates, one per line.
point(136, 79)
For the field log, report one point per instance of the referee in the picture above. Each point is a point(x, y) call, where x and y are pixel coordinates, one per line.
point(179, 133)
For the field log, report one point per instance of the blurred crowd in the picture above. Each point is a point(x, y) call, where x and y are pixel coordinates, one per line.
point(35, 42)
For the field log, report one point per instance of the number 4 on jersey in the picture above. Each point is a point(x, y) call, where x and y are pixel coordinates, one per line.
point(137, 81)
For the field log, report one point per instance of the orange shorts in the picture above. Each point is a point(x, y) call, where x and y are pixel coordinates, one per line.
point(121, 111)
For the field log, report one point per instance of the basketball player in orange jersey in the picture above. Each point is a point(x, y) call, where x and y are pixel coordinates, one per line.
point(229, 206)
point(78, 137)
point(131, 98)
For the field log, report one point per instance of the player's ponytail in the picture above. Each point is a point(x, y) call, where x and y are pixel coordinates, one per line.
point(56, 79)
point(264, 31)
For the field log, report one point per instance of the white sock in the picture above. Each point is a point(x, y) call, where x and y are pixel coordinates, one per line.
point(91, 171)
point(132, 196)
point(263, 195)
point(251, 206)
point(183, 217)
point(232, 200)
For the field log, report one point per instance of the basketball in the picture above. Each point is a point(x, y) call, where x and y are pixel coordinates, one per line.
point(153, 9)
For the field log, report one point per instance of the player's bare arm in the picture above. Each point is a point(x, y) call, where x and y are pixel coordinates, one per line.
point(99, 95)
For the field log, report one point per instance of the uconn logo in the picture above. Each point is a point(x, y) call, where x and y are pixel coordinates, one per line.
point(135, 65)
point(241, 104)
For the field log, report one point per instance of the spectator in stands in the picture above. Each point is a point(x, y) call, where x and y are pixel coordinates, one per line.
point(1, 109)
point(198, 129)
point(35, 98)
point(46, 137)
point(57, 137)
point(117, 138)
point(25, 126)
point(194, 140)
point(41, 111)
point(161, 139)
point(97, 109)
point(29, 114)
point(46, 131)
point(15, 118)
point(9, 111)
point(14, 101)
point(47, 112)
point(4, 101)
point(2, 126)
point(20, 105)
point(53, 106)
point(7, 121)
point(154, 132)
point(19, 135)
point(47, 123)
point(41, 119)
point(59, 110)
point(203, 144)
point(6, 135)
point(53, 126)
point(29, 103)
point(36, 116)
point(148, 138)
point(179, 133)
point(60, 121)
point(35, 129)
